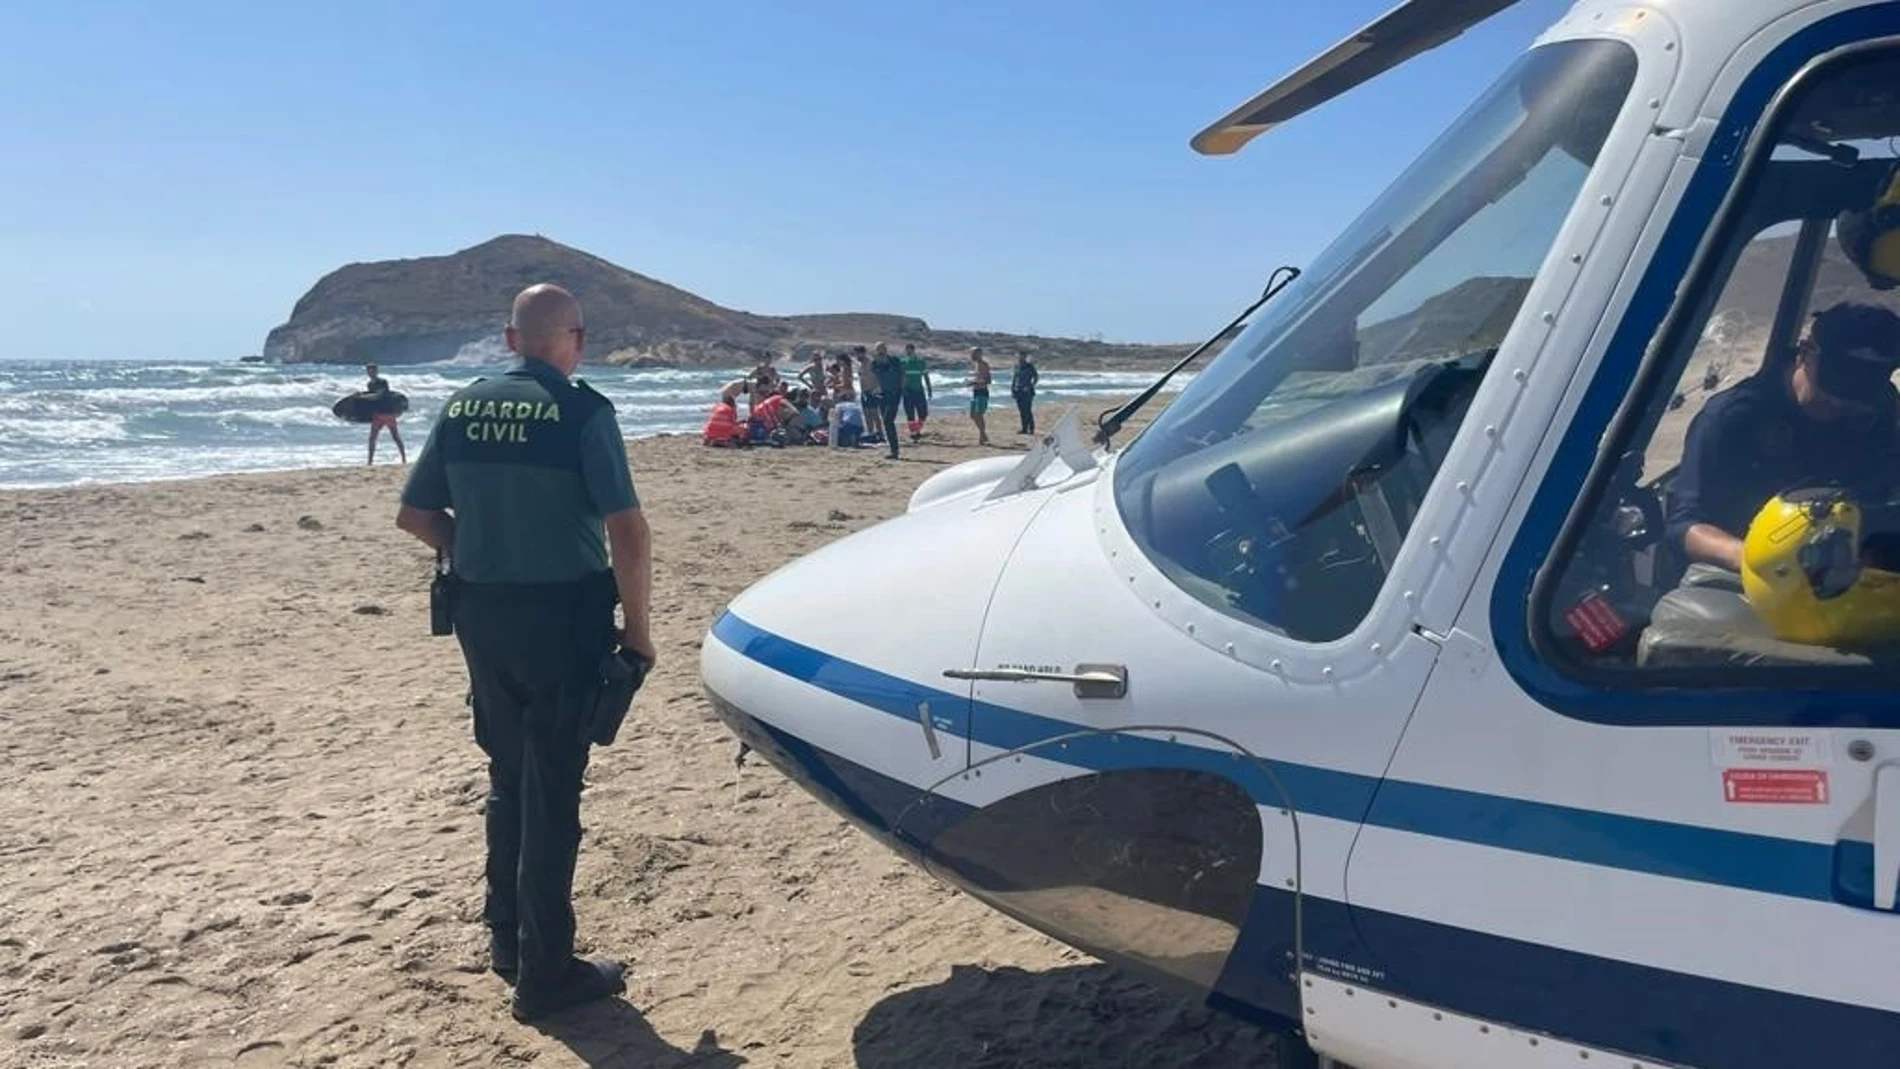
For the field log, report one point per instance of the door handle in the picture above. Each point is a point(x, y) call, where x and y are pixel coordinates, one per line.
point(1089, 680)
point(1886, 836)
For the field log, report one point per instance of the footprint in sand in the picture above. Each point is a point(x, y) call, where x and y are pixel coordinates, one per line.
point(261, 1054)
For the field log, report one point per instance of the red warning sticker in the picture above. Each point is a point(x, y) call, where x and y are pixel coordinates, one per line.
point(1781, 786)
point(1596, 622)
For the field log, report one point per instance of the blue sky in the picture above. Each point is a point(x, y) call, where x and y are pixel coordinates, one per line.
point(175, 179)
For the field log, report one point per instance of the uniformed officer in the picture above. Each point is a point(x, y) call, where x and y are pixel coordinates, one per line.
point(517, 480)
point(1831, 416)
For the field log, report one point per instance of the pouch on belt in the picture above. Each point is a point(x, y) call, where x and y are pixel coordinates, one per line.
point(621, 674)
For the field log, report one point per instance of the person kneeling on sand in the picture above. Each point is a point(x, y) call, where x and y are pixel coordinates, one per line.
point(807, 425)
point(771, 418)
point(847, 424)
point(723, 427)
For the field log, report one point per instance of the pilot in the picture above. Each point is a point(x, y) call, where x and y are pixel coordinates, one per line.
point(519, 477)
point(1831, 415)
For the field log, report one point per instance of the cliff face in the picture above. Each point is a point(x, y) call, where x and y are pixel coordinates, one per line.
point(410, 311)
point(418, 310)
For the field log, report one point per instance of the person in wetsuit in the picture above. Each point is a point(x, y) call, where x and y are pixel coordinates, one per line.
point(1022, 387)
point(888, 372)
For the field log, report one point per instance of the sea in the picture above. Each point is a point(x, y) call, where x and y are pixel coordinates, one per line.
point(65, 423)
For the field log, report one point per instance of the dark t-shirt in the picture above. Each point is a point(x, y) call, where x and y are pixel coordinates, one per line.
point(528, 487)
point(1752, 441)
point(888, 371)
point(377, 384)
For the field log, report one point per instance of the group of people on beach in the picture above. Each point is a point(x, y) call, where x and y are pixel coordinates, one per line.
point(852, 399)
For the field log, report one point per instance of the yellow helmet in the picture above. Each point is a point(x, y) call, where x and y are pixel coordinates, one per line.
point(1870, 236)
point(1805, 574)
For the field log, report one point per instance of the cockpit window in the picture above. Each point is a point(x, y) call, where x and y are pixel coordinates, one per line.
point(1748, 525)
point(1279, 486)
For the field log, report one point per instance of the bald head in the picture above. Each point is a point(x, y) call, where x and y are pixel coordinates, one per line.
point(543, 320)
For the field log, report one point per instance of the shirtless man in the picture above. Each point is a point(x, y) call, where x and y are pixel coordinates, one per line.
point(844, 392)
point(813, 376)
point(979, 383)
point(869, 392)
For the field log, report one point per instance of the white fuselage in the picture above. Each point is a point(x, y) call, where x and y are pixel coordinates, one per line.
point(1461, 856)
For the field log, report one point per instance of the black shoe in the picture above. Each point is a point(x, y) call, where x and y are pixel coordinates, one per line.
point(504, 958)
point(586, 980)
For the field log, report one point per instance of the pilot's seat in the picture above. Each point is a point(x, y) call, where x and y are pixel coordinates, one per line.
point(1707, 622)
point(1815, 590)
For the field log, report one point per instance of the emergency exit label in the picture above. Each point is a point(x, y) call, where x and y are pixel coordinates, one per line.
point(1770, 749)
point(1778, 786)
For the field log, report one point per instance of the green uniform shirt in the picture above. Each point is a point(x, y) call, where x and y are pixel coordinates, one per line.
point(914, 369)
point(529, 463)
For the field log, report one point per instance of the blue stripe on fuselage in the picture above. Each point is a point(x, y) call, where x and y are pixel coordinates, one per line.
point(1637, 1010)
point(1640, 1010)
point(1789, 867)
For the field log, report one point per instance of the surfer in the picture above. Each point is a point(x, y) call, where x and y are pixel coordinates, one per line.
point(381, 415)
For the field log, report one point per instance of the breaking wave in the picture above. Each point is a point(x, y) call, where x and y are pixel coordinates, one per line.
point(65, 423)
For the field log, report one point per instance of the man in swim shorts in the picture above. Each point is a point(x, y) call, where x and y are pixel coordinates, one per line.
point(979, 383)
point(378, 389)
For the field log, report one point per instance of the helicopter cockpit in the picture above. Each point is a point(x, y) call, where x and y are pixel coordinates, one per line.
point(1280, 485)
point(1813, 225)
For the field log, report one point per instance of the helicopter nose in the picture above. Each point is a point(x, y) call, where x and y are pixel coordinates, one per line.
point(832, 668)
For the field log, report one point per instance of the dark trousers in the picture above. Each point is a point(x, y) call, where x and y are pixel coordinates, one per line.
point(887, 415)
point(1026, 410)
point(916, 407)
point(532, 653)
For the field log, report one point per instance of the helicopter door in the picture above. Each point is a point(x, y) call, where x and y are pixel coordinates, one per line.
point(1650, 799)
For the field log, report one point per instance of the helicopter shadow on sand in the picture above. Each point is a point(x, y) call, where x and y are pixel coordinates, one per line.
point(1071, 1016)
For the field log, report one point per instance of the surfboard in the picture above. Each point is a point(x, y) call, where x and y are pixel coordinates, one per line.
point(361, 407)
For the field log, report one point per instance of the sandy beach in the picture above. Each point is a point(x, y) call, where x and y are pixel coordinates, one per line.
point(242, 820)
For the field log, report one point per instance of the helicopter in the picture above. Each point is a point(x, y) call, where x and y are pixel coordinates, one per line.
point(1369, 691)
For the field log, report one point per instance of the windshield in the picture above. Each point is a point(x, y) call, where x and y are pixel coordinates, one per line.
point(1278, 485)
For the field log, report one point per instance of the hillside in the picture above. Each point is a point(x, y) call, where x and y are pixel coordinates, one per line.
point(412, 311)
point(1754, 288)
point(1466, 318)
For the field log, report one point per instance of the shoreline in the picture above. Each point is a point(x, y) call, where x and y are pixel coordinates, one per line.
point(324, 468)
point(1002, 421)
